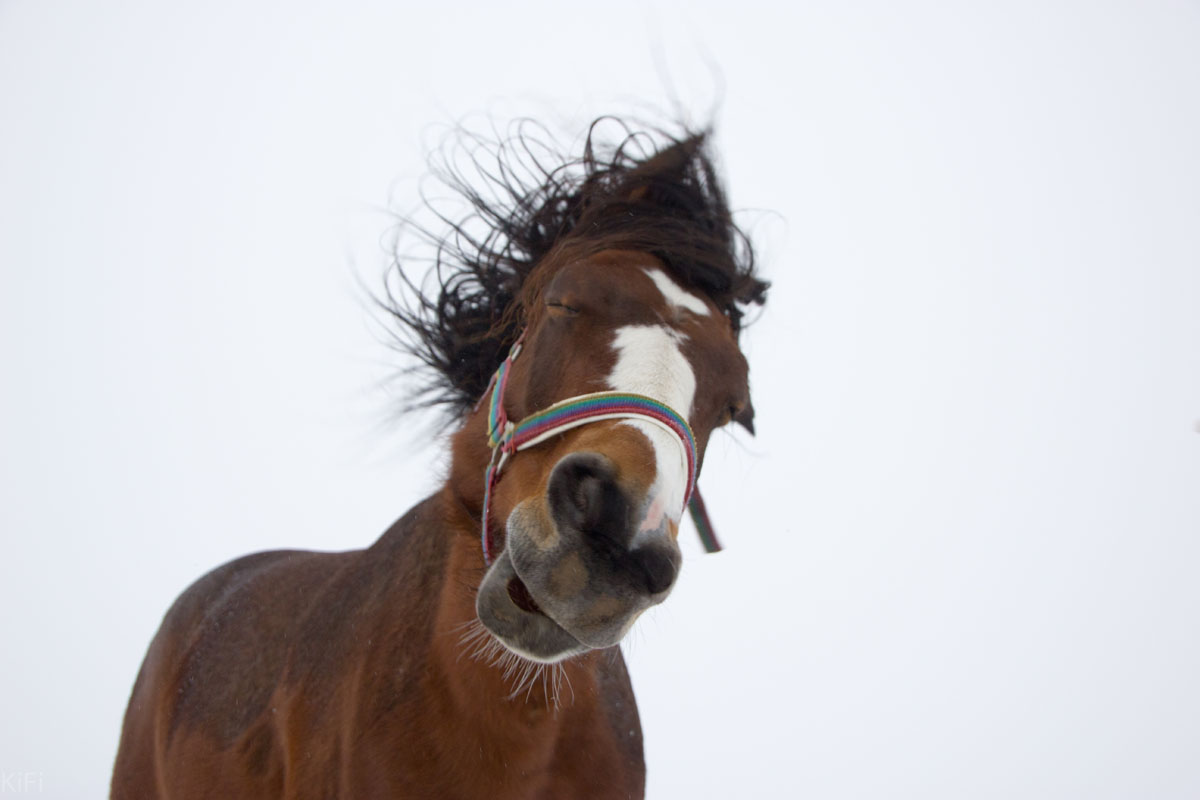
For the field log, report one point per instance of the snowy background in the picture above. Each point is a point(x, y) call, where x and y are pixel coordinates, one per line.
point(962, 554)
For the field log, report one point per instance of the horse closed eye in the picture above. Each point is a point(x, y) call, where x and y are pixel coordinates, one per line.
point(562, 309)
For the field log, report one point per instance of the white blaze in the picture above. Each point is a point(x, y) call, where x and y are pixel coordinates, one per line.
point(649, 362)
point(675, 295)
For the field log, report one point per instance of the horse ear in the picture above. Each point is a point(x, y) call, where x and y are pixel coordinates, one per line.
point(745, 417)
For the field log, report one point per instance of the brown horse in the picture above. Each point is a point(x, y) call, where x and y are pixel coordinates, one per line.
point(421, 666)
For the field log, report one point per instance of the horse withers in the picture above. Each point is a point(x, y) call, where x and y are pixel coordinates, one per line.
point(589, 345)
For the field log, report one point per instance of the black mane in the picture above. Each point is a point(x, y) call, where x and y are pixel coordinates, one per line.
point(651, 191)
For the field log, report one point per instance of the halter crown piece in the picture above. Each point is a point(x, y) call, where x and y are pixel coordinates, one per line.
point(507, 438)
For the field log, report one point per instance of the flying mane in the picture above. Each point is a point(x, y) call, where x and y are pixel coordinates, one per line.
point(653, 192)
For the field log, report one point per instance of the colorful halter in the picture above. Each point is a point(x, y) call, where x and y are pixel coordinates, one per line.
point(506, 438)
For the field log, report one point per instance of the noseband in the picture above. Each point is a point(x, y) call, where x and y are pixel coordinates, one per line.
point(506, 438)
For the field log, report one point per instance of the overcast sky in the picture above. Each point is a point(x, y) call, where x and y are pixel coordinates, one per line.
point(962, 555)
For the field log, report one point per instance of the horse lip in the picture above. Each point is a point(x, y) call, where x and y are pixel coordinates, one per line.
point(590, 640)
point(522, 545)
point(521, 597)
point(532, 634)
point(537, 608)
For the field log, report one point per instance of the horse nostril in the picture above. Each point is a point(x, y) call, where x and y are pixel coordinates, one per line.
point(586, 500)
point(659, 566)
point(583, 493)
point(588, 494)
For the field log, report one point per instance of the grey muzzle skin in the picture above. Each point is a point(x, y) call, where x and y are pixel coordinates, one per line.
point(521, 628)
point(552, 594)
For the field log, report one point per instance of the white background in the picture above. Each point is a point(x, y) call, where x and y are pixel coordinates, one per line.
point(962, 553)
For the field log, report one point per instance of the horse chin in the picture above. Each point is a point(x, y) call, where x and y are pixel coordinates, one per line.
point(507, 610)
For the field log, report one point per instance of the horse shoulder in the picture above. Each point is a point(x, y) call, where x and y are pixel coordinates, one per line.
point(252, 635)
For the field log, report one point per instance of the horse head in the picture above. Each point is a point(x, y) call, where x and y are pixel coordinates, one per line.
point(589, 518)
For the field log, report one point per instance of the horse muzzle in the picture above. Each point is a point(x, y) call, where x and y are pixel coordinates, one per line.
point(581, 563)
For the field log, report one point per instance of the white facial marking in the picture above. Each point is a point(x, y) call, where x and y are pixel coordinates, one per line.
point(675, 295)
point(649, 362)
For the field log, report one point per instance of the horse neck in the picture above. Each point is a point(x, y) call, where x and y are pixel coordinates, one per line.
point(469, 456)
point(480, 674)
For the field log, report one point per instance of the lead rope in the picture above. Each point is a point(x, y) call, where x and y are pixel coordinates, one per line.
point(506, 438)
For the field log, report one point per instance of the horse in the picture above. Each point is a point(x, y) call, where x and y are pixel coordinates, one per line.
point(588, 347)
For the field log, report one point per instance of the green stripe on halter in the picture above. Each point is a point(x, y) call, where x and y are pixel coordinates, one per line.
point(699, 514)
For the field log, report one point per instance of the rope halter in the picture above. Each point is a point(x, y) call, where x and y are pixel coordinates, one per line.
point(506, 438)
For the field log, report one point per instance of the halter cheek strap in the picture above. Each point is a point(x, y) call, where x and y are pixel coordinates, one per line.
point(507, 438)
